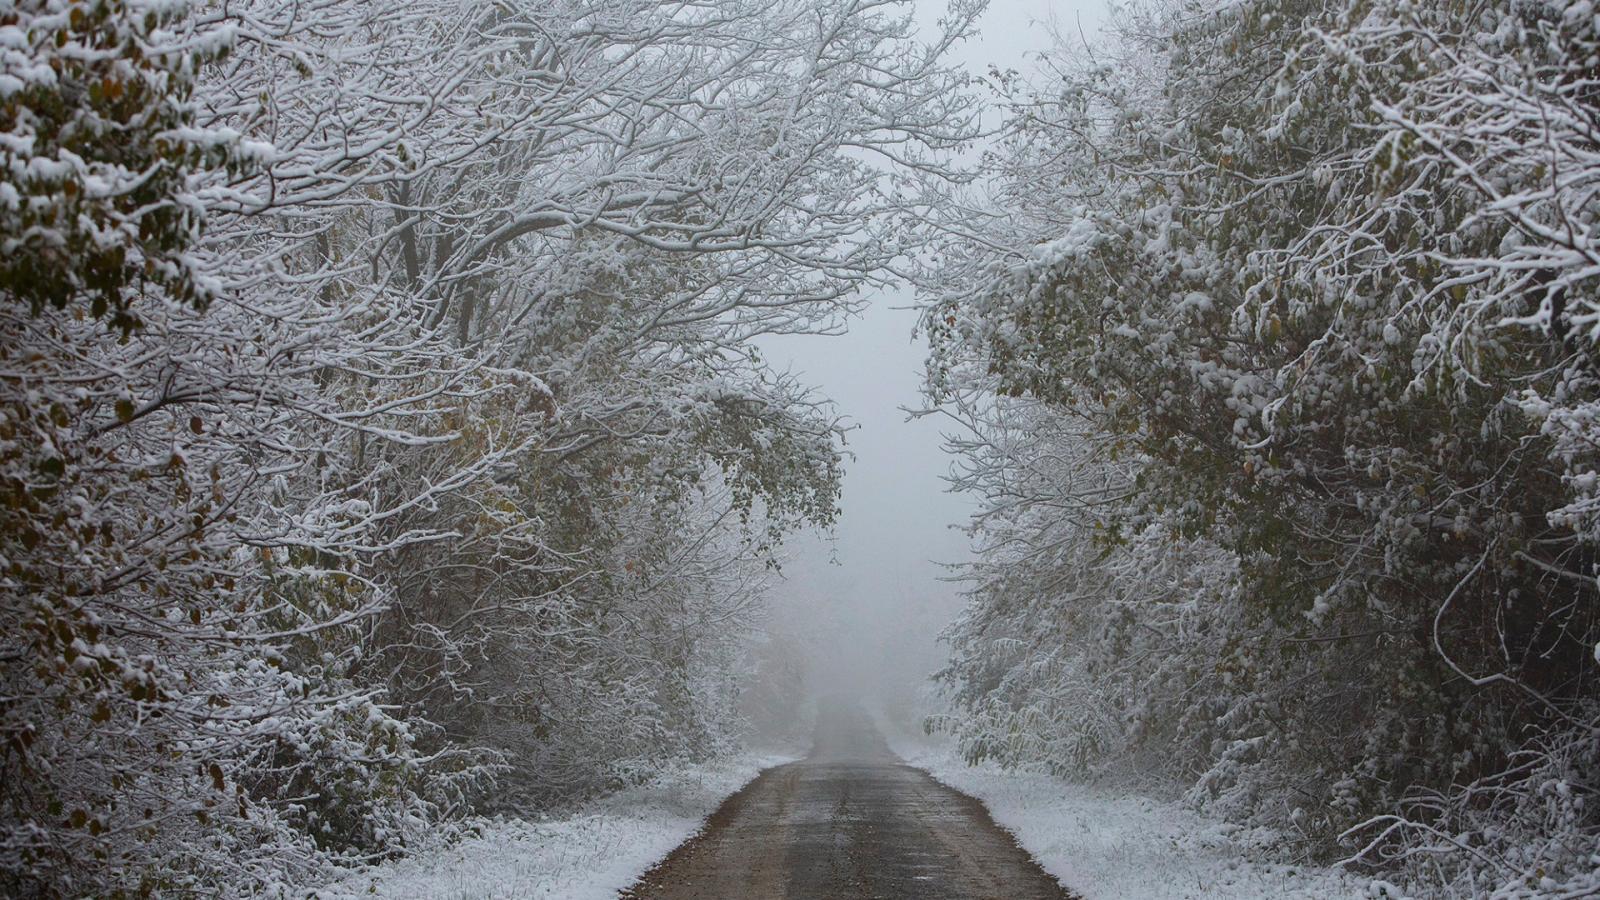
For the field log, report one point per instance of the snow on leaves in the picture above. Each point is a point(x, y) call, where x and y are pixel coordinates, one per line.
point(1310, 313)
point(377, 415)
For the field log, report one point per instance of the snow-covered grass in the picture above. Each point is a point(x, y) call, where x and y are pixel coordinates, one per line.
point(1103, 844)
point(593, 853)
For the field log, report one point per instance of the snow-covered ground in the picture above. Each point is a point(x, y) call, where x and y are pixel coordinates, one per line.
point(593, 853)
point(1099, 843)
point(1105, 845)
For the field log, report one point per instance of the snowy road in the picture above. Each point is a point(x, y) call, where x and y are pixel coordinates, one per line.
point(849, 822)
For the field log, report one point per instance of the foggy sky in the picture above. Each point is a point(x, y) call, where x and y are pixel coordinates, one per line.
point(874, 598)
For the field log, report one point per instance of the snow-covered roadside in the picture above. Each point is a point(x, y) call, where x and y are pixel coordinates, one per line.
point(593, 853)
point(1104, 845)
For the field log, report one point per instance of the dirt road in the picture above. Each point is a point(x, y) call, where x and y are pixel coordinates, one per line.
point(849, 822)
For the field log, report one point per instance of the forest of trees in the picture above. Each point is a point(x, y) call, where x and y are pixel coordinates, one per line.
point(379, 422)
point(1276, 360)
point(383, 440)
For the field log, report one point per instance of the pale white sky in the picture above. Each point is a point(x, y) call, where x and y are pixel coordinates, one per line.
point(875, 596)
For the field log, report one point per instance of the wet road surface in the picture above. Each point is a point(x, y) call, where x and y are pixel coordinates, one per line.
point(849, 822)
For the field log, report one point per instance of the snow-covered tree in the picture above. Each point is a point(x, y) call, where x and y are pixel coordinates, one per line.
point(379, 414)
point(1295, 293)
point(643, 190)
point(153, 600)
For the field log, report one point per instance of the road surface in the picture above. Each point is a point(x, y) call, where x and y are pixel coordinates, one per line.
point(851, 821)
